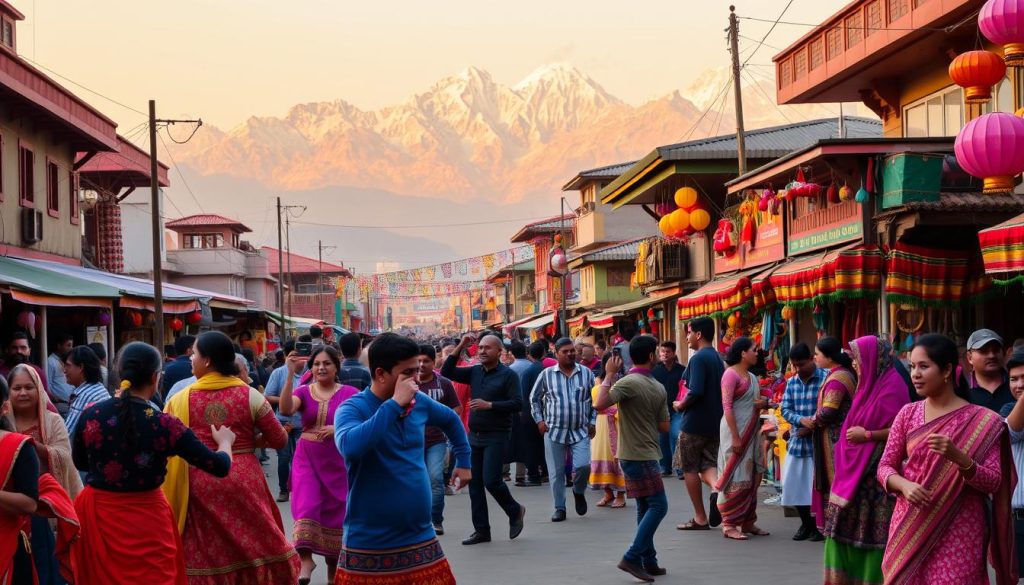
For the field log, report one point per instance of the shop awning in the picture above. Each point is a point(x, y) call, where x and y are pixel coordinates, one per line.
point(35, 283)
point(602, 321)
point(853, 272)
point(928, 277)
point(577, 321)
point(136, 293)
point(720, 296)
point(1002, 247)
point(537, 323)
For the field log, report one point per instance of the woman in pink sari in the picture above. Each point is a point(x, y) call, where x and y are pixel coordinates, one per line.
point(947, 461)
point(319, 484)
point(740, 457)
point(858, 510)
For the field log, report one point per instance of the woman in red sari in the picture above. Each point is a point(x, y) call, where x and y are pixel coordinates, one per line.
point(740, 457)
point(948, 462)
point(231, 528)
point(128, 535)
point(19, 466)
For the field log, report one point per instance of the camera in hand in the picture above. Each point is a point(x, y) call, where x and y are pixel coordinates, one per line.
point(304, 348)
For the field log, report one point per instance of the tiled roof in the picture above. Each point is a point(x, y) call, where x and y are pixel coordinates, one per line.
point(301, 264)
point(550, 225)
point(772, 142)
point(964, 203)
point(615, 252)
point(207, 219)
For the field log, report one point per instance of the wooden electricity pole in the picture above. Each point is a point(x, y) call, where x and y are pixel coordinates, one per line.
point(734, 42)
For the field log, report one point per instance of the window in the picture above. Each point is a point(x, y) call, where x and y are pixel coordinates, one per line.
point(26, 176)
point(940, 114)
point(898, 9)
point(786, 78)
point(1002, 98)
point(834, 42)
point(2, 146)
point(7, 33)
point(619, 276)
point(800, 64)
point(817, 53)
point(196, 241)
point(854, 29)
point(875, 21)
point(52, 188)
point(73, 197)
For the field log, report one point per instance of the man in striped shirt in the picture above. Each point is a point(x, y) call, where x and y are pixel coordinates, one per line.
point(561, 405)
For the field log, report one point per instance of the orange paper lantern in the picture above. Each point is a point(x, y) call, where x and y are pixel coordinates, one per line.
point(686, 197)
point(977, 72)
point(680, 220)
point(665, 225)
point(700, 219)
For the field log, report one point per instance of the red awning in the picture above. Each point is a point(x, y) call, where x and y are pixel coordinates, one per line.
point(928, 277)
point(1002, 248)
point(722, 295)
point(847, 273)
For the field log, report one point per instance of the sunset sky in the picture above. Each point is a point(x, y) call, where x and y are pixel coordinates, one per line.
point(225, 60)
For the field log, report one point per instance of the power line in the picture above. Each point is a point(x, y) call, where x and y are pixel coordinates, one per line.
point(758, 42)
point(765, 37)
point(180, 175)
point(92, 91)
point(760, 90)
point(947, 29)
point(438, 225)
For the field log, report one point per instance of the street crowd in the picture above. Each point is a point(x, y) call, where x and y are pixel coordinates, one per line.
point(905, 468)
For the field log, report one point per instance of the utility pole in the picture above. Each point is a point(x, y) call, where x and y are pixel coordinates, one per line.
point(280, 271)
point(157, 225)
point(288, 243)
point(734, 44)
point(320, 276)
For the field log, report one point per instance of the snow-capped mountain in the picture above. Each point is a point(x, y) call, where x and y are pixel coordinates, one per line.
point(468, 137)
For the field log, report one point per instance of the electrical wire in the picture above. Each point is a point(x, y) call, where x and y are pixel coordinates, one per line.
point(92, 91)
point(423, 226)
point(177, 169)
point(765, 37)
point(198, 123)
point(947, 29)
point(759, 42)
point(764, 94)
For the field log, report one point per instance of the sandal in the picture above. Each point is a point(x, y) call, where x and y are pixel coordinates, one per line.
point(692, 524)
point(733, 533)
point(757, 532)
point(603, 502)
point(619, 503)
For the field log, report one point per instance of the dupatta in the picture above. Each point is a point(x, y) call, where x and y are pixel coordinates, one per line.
point(53, 434)
point(11, 527)
point(736, 476)
point(881, 393)
point(175, 485)
point(923, 527)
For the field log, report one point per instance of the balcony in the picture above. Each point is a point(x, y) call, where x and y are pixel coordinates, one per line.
point(665, 262)
point(841, 60)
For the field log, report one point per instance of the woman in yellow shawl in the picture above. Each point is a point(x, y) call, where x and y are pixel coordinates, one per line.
point(231, 529)
point(29, 414)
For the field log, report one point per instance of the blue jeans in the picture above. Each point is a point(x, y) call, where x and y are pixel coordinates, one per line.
point(435, 456)
point(284, 459)
point(556, 456)
point(670, 439)
point(650, 511)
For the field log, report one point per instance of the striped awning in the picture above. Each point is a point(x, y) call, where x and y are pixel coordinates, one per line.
point(1002, 248)
point(928, 277)
point(576, 321)
point(602, 321)
point(723, 295)
point(853, 272)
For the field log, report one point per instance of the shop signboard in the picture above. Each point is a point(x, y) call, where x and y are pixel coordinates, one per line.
point(825, 236)
point(815, 227)
point(768, 245)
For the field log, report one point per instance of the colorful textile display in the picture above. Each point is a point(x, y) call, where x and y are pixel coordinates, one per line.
point(850, 273)
point(1002, 248)
point(927, 277)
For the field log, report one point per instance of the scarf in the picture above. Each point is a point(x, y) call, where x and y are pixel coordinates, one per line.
point(176, 485)
point(12, 527)
point(881, 393)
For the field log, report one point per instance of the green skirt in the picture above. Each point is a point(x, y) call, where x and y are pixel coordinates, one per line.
point(846, 565)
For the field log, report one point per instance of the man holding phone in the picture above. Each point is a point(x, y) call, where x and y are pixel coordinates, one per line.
point(294, 365)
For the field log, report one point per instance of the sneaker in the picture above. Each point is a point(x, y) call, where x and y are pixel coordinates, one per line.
point(282, 497)
point(636, 570)
point(438, 529)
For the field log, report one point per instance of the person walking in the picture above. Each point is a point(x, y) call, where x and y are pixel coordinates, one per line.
point(643, 414)
point(944, 462)
point(799, 402)
point(435, 444)
point(858, 511)
point(181, 367)
point(352, 372)
point(699, 436)
point(318, 478)
point(741, 458)
point(564, 413)
point(218, 547)
point(292, 424)
point(834, 400)
point(986, 385)
point(129, 534)
point(605, 471)
point(530, 446)
point(495, 397)
point(669, 372)
point(389, 538)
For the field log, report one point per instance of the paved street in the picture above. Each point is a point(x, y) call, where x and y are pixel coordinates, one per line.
point(586, 550)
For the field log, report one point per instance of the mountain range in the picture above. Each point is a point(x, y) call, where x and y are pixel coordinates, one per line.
point(469, 138)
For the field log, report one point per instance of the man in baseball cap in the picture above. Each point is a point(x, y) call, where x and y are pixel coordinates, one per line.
point(987, 386)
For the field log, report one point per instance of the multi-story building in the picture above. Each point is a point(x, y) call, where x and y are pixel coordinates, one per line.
point(311, 286)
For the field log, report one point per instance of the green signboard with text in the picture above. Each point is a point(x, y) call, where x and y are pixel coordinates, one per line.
point(829, 235)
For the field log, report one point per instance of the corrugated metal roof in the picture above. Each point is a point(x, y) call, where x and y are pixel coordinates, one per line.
point(605, 172)
point(206, 219)
point(772, 142)
point(612, 253)
point(542, 227)
point(964, 203)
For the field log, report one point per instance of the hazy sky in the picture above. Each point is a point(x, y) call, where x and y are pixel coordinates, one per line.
point(225, 60)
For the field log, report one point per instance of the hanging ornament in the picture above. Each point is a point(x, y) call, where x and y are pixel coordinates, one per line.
point(861, 196)
point(732, 321)
point(845, 193)
point(680, 220)
point(832, 194)
point(176, 324)
point(991, 147)
point(27, 321)
point(194, 317)
point(104, 318)
point(787, 313)
point(700, 219)
point(977, 72)
point(686, 197)
point(1002, 22)
point(723, 239)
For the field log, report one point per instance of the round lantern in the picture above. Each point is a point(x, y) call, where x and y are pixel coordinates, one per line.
point(991, 147)
point(1002, 22)
point(680, 220)
point(732, 321)
point(700, 219)
point(194, 317)
point(558, 238)
point(686, 197)
point(861, 196)
point(665, 225)
point(27, 321)
point(136, 319)
point(176, 324)
point(104, 318)
point(977, 72)
point(558, 263)
point(787, 313)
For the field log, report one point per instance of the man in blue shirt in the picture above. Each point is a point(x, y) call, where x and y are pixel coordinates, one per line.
point(530, 446)
point(702, 415)
point(799, 403)
point(181, 367)
point(380, 433)
point(292, 424)
point(352, 372)
point(59, 388)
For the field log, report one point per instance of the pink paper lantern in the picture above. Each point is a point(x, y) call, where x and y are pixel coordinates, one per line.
point(1002, 22)
point(991, 147)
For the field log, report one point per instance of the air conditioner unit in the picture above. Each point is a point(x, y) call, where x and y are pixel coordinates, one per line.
point(31, 226)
